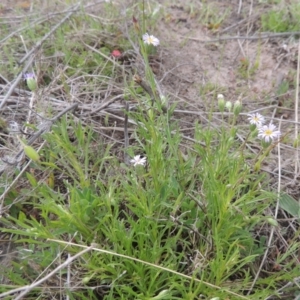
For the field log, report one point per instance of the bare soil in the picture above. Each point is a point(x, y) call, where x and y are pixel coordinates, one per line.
point(198, 62)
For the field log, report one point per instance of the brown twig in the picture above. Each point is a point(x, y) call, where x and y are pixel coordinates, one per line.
point(253, 37)
point(126, 137)
point(137, 79)
point(107, 103)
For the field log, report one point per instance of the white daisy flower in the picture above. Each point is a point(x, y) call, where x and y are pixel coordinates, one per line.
point(268, 133)
point(150, 40)
point(256, 119)
point(138, 161)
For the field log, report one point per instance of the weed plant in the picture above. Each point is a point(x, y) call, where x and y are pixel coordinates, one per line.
point(184, 224)
point(282, 19)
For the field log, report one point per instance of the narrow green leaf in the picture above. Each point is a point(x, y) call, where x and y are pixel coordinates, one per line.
point(31, 179)
point(290, 205)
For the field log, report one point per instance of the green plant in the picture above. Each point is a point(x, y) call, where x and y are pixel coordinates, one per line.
point(281, 20)
point(190, 220)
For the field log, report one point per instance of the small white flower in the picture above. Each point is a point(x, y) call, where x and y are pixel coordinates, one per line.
point(256, 119)
point(268, 133)
point(150, 40)
point(138, 161)
point(220, 97)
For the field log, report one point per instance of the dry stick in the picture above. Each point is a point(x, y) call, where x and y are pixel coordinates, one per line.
point(237, 37)
point(275, 216)
point(241, 48)
point(137, 79)
point(104, 105)
point(107, 113)
point(50, 122)
point(2, 197)
point(13, 86)
point(121, 129)
point(285, 287)
point(44, 127)
point(39, 44)
point(251, 8)
point(237, 24)
point(134, 123)
point(94, 248)
point(38, 21)
point(276, 87)
point(33, 15)
point(27, 288)
point(249, 27)
point(33, 94)
point(126, 137)
point(240, 7)
point(171, 70)
point(296, 112)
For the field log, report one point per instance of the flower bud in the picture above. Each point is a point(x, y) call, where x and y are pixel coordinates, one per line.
point(237, 108)
point(221, 102)
point(31, 153)
point(31, 81)
point(116, 53)
point(272, 222)
point(228, 105)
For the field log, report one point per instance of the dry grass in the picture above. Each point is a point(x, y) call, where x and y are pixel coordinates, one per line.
point(78, 122)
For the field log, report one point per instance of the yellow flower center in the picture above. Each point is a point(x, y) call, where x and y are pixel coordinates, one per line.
point(268, 132)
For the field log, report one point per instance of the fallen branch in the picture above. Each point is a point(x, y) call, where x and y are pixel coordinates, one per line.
point(253, 37)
